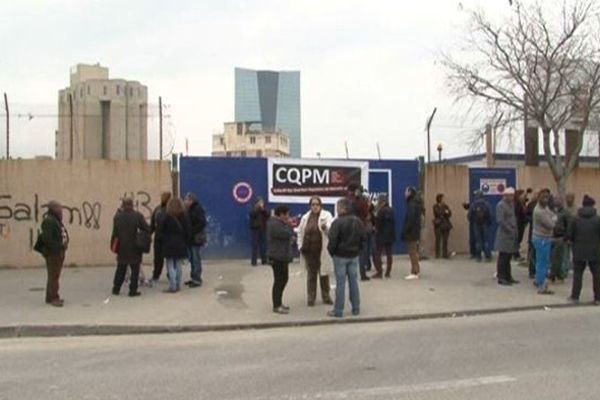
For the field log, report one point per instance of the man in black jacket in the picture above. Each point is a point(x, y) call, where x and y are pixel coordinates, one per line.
point(158, 216)
point(126, 224)
point(197, 217)
point(259, 216)
point(584, 232)
point(347, 237)
point(411, 231)
point(280, 234)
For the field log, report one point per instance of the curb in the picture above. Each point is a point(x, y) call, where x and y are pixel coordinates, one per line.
point(29, 331)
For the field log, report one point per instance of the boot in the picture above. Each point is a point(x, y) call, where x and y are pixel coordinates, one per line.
point(325, 288)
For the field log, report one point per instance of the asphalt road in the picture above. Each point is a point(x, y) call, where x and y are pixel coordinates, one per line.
point(529, 355)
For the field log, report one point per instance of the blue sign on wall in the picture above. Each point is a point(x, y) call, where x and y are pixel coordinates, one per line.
point(229, 187)
point(492, 182)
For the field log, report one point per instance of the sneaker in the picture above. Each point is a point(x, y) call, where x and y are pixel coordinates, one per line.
point(194, 284)
point(572, 300)
point(310, 303)
point(545, 291)
point(170, 291)
point(57, 303)
point(116, 291)
point(280, 310)
point(286, 308)
point(328, 301)
point(333, 314)
point(514, 281)
point(378, 275)
point(356, 313)
point(365, 278)
point(504, 282)
point(411, 277)
point(134, 294)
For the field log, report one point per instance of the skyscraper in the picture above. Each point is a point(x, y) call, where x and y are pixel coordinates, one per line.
point(271, 98)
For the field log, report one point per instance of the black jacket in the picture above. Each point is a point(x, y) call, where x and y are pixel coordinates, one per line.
point(158, 216)
point(125, 226)
point(279, 239)
point(385, 226)
point(174, 233)
point(52, 235)
point(411, 231)
point(197, 217)
point(258, 219)
point(347, 236)
point(584, 232)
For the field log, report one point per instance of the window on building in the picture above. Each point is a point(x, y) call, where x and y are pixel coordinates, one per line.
point(81, 92)
point(118, 90)
point(252, 139)
point(267, 139)
point(240, 130)
point(130, 92)
point(222, 141)
point(138, 90)
point(105, 90)
point(89, 91)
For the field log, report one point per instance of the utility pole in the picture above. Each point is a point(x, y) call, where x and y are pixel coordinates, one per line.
point(347, 152)
point(160, 128)
point(187, 147)
point(379, 151)
point(70, 126)
point(7, 127)
point(429, 121)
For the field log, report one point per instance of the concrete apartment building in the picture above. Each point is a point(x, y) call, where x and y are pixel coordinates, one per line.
point(102, 118)
point(240, 139)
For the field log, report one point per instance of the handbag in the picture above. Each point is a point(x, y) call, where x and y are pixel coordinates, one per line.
point(39, 244)
point(114, 246)
point(143, 240)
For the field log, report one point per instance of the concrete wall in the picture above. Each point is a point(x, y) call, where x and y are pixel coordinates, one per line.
point(453, 181)
point(91, 192)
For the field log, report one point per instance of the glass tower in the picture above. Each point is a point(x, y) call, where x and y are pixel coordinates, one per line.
point(271, 98)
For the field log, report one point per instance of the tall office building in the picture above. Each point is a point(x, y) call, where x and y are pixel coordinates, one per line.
point(102, 118)
point(271, 98)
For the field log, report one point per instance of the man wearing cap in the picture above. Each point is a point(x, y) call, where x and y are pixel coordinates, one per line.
point(506, 236)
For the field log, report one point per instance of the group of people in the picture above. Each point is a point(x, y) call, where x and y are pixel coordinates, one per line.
point(560, 237)
point(348, 244)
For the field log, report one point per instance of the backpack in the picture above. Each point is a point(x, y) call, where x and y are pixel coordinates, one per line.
point(481, 213)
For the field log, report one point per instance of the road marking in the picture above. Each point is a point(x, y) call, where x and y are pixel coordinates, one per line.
point(395, 390)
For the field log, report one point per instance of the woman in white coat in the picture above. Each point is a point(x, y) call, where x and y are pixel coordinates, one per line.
point(312, 242)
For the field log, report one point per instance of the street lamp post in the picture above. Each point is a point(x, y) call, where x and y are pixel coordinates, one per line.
point(439, 149)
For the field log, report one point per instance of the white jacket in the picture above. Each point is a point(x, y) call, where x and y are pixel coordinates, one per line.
point(325, 220)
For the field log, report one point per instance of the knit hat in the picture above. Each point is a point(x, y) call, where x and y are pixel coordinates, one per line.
point(588, 201)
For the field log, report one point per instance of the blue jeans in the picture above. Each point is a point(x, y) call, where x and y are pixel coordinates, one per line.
point(482, 243)
point(346, 268)
point(196, 263)
point(542, 260)
point(174, 273)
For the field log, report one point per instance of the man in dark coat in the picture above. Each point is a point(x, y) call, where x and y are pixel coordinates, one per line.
point(506, 236)
point(52, 244)
point(158, 216)
point(279, 234)
point(197, 217)
point(126, 224)
point(442, 226)
point(411, 231)
point(385, 236)
point(258, 229)
point(359, 207)
point(584, 233)
point(480, 218)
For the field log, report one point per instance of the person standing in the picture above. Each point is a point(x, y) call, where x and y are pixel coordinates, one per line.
point(521, 214)
point(385, 236)
point(584, 233)
point(411, 231)
point(312, 242)
point(442, 226)
point(197, 217)
point(52, 243)
point(175, 234)
point(347, 238)
point(359, 207)
point(126, 225)
point(158, 215)
point(559, 239)
point(530, 247)
point(543, 228)
point(279, 237)
point(506, 237)
point(480, 217)
point(572, 212)
point(258, 229)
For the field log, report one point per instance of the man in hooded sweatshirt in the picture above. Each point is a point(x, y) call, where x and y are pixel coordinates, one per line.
point(584, 234)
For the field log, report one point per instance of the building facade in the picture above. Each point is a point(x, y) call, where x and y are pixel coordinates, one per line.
point(102, 118)
point(273, 99)
point(241, 139)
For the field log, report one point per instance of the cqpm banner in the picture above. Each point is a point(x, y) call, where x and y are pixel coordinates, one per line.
point(295, 181)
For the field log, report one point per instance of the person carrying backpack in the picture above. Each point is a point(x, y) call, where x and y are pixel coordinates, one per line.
point(480, 215)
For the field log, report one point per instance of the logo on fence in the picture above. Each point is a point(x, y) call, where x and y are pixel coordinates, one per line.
point(242, 192)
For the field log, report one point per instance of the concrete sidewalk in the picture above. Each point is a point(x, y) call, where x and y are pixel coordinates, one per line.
point(237, 296)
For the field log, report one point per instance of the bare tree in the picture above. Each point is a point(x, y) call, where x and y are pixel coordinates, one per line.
point(541, 64)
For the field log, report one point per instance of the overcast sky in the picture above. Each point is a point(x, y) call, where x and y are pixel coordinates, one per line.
point(369, 70)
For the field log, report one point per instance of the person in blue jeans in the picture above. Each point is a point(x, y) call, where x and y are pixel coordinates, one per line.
point(197, 218)
point(347, 237)
point(480, 217)
point(174, 232)
point(544, 221)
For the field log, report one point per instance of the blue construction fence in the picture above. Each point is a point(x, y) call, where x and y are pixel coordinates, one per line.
point(228, 188)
